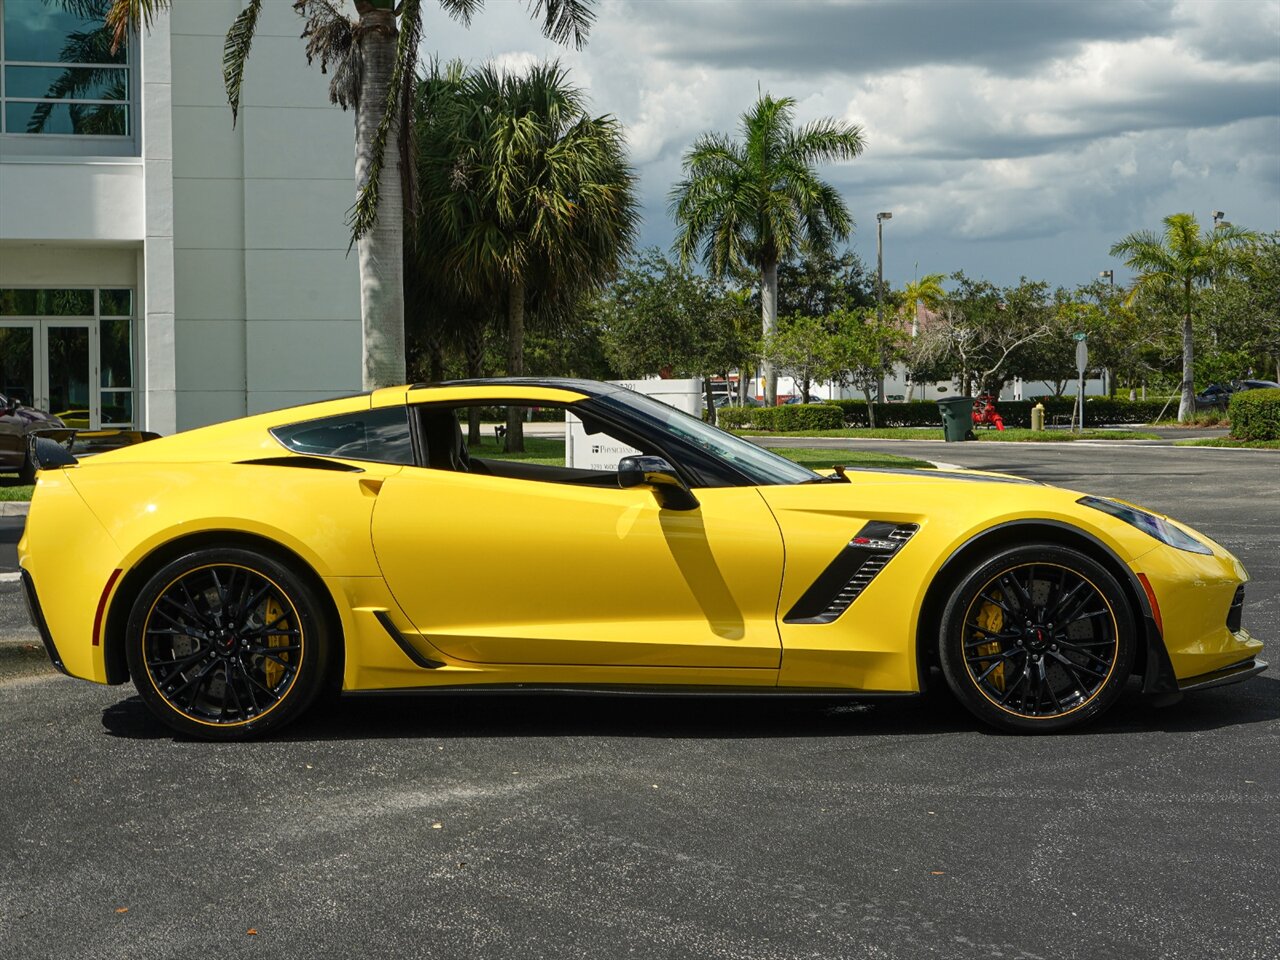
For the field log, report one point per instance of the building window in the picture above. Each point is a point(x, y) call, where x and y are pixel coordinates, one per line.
point(58, 74)
point(70, 351)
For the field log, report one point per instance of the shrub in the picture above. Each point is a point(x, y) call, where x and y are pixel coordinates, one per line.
point(1255, 415)
point(925, 413)
point(790, 418)
point(807, 416)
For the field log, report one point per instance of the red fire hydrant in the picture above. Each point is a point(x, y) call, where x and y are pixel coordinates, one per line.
point(985, 413)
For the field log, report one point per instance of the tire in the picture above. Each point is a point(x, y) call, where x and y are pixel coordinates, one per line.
point(27, 472)
point(225, 644)
point(1037, 638)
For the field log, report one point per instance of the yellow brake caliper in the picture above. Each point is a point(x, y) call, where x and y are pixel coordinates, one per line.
point(990, 620)
point(273, 670)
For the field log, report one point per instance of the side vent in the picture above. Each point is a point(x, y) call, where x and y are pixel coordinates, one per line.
point(402, 642)
point(851, 572)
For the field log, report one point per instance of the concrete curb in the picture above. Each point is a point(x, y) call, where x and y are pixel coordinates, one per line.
point(14, 508)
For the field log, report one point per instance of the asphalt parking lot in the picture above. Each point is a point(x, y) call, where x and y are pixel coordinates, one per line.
point(507, 827)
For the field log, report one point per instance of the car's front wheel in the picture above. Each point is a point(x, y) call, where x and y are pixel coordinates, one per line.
point(1037, 638)
point(226, 643)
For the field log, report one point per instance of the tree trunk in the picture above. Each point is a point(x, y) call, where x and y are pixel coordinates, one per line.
point(381, 250)
point(515, 362)
point(710, 400)
point(769, 318)
point(473, 346)
point(871, 408)
point(1187, 405)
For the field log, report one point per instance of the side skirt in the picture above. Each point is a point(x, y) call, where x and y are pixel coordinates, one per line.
point(638, 690)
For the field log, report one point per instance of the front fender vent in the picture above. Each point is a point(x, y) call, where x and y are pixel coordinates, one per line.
point(851, 572)
point(1235, 615)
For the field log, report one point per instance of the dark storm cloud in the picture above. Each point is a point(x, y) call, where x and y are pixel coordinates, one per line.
point(1182, 104)
point(1004, 37)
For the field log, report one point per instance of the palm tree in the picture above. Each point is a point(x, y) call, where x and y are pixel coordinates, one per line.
point(373, 57)
point(927, 290)
point(1184, 257)
point(531, 200)
point(746, 205)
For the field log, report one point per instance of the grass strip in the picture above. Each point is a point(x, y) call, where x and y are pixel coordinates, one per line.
point(819, 459)
point(10, 489)
point(1228, 442)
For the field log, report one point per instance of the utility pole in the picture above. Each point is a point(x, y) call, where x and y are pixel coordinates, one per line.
point(880, 219)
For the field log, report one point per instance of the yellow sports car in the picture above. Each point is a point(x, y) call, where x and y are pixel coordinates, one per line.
point(238, 571)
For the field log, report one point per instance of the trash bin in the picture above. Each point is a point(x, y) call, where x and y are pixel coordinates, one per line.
point(957, 418)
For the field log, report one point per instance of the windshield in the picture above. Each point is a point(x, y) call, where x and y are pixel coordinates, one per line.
point(758, 464)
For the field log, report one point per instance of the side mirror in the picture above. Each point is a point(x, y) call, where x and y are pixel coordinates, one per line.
point(661, 477)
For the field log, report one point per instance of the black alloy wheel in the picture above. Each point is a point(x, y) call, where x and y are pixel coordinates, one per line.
point(225, 643)
point(1038, 638)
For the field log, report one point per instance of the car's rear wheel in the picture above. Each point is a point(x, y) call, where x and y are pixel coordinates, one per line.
point(1037, 638)
point(225, 643)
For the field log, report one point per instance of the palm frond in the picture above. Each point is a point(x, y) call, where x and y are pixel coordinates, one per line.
point(365, 211)
point(330, 37)
point(461, 10)
point(125, 16)
point(235, 51)
point(565, 20)
point(825, 140)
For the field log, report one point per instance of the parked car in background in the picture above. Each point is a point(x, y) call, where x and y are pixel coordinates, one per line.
point(726, 401)
point(17, 424)
point(1219, 394)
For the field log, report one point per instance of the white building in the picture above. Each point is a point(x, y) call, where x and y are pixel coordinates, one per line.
point(160, 268)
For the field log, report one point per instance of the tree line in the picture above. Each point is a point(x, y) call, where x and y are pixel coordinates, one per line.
point(504, 215)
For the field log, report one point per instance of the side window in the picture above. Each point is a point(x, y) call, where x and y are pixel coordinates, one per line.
point(472, 438)
point(380, 435)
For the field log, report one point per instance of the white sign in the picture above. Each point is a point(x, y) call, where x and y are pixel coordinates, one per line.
point(599, 451)
point(1082, 357)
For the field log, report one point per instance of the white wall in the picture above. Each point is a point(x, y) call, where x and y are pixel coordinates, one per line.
point(71, 200)
point(267, 300)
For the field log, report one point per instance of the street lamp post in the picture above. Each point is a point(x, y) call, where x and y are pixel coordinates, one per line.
point(880, 219)
point(1108, 381)
point(1218, 216)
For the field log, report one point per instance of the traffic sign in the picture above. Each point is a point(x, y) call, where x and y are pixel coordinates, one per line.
point(1082, 356)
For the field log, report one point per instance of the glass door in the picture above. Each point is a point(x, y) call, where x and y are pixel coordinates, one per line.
point(18, 340)
point(70, 355)
point(18, 360)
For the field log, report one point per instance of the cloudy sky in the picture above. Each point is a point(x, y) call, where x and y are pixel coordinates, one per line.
point(1008, 137)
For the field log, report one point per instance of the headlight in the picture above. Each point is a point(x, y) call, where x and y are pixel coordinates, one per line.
point(1148, 523)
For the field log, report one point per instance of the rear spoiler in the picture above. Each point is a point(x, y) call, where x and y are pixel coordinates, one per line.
point(52, 448)
point(47, 453)
point(98, 441)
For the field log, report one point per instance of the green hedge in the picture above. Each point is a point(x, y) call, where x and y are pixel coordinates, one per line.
point(1015, 413)
point(925, 413)
point(1255, 415)
point(789, 418)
